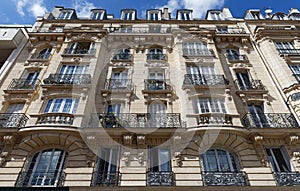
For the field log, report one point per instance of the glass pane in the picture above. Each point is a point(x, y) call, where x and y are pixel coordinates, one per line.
point(212, 164)
point(164, 160)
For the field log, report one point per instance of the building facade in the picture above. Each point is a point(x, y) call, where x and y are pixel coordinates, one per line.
point(105, 103)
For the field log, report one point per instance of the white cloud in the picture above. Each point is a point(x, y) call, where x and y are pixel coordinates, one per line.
point(83, 7)
point(199, 7)
point(32, 7)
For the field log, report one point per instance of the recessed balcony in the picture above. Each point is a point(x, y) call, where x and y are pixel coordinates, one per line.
point(204, 80)
point(79, 52)
point(105, 179)
point(156, 57)
point(122, 57)
point(68, 79)
point(23, 85)
point(13, 120)
point(40, 178)
point(270, 120)
point(225, 179)
point(55, 118)
point(137, 120)
point(160, 178)
point(287, 178)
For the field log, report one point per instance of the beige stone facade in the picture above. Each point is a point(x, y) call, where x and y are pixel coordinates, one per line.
point(103, 103)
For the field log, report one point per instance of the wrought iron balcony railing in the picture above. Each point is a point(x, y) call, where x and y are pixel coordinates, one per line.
point(55, 118)
point(230, 31)
point(105, 179)
point(13, 120)
point(253, 85)
point(233, 57)
point(137, 120)
point(225, 179)
point(160, 178)
point(118, 84)
point(204, 80)
point(197, 52)
point(289, 51)
point(270, 120)
point(287, 178)
point(156, 57)
point(214, 119)
point(79, 51)
point(122, 57)
point(40, 178)
point(40, 56)
point(23, 84)
point(153, 84)
point(68, 79)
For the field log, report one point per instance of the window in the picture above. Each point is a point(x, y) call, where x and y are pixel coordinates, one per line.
point(195, 49)
point(294, 16)
point(128, 15)
point(278, 16)
point(65, 15)
point(44, 54)
point(155, 54)
point(209, 105)
point(122, 54)
point(81, 48)
point(194, 69)
point(296, 71)
point(286, 48)
point(114, 108)
point(62, 105)
point(244, 80)
point(119, 79)
point(97, 15)
point(184, 15)
point(15, 108)
point(258, 116)
point(157, 108)
point(154, 15)
point(45, 168)
point(233, 54)
point(159, 160)
point(279, 160)
point(107, 167)
point(73, 69)
point(219, 160)
point(216, 15)
point(200, 74)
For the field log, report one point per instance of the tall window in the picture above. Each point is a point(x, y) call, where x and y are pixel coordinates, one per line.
point(233, 54)
point(62, 105)
point(194, 69)
point(219, 160)
point(258, 115)
point(45, 168)
point(160, 160)
point(81, 48)
point(119, 79)
point(44, 54)
point(65, 15)
point(184, 15)
point(67, 69)
point(107, 166)
point(156, 80)
point(286, 48)
point(279, 160)
point(128, 15)
point(216, 15)
point(209, 105)
point(244, 80)
point(114, 108)
point(15, 108)
point(195, 49)
point(97, 15)
point(154, 15)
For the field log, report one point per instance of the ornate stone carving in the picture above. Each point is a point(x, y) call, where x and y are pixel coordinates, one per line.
point(127, 139)
point(126, 157)
point(178, 158)
point(141, 141)
point(141, 157)
point(296, 156)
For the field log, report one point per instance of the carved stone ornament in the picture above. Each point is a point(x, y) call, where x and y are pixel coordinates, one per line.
point(178, 159)
point(296, 156)
point(127, 139)
point(126, 157)
point(141, 140)
point(141, 157)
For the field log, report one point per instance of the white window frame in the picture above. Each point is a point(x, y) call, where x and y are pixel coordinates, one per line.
point(195, 49)
point(128, 15)
point(61, 104)
point(185, 15)
point(65, 15)
point(97, 15)
point(207, 105)
point(154, 15)
point(216, 15)
point(65, 69)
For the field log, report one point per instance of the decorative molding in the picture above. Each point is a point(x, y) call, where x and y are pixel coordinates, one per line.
point(127, 139)
point(126, 157)
point(141, 141)
point(296, 156)
point(178, 158)
point(141, 157)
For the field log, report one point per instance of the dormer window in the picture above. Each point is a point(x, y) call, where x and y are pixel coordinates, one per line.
point(278, 16)
point(216, 15)
point(98, 14)
point(184, 14)
point(65, 14)
point(154, 15)
point(128, 14)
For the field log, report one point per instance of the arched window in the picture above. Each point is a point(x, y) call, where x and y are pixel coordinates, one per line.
point(219, 160)
point(44, 54)
point(122, 54)
point(45, 168)
point(155, 54)
point(233, 54)
point(81, 48)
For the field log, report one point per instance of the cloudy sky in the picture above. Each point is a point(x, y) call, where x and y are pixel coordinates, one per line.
point(25, 11)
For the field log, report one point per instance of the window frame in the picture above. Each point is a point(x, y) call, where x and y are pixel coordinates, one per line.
point(207, 105)
point(61, 104)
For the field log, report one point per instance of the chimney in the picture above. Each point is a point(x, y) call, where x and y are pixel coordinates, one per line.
point(166, 14)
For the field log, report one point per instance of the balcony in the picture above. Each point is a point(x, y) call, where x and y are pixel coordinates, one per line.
point(122, 57)
point(55, 118)
point(230, 31)
point(198, 53)
point(270, 120)
point(68, 79)
point(105, 179)
point(160, 179)
point(291, 51)
point(79, 51)
point(236, 58)
point(40, 178)
point(23, 84)
point(13, 120)
point(214, 119)
point(156, 57)
point(144, 30)
point(118, 84)
point(157, 85)
point(225, 179)
point(287, 178)
point(40, 57)
point(255, 85)
point(204, 80)
point(137, 120)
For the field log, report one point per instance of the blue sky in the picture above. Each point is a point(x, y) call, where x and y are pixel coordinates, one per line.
point(25, 11)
